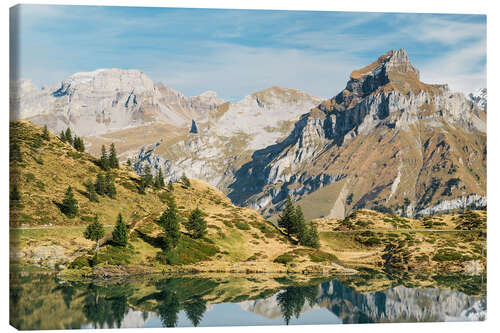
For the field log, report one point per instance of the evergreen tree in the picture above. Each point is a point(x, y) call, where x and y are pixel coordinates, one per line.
point(129, 163)
point(185, 180)
point(312, 237)
point(69, 205)
point(170, 186)
point(69, 138)
point(147, 177)
point(15, 196)
point(113, 160)
point(299, 224)
point(110, 186)
point(78, 144)
point(287, 218)
point(169, 221)
point(159, 181)
point(104, 160)
point(91, 192)
point(196, 224)
point(62, 136)
point(15, 153)
point(120, 233)
point(194, 309)
point(94, 232)
point(100, 185)
point(45, 133)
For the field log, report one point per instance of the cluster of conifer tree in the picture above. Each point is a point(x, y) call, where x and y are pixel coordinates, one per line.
point(170, 221)
point(293, 221)
point(147, 179)
point(104, 185)
point(66, 136)
point(95, 231)
point(109, 161)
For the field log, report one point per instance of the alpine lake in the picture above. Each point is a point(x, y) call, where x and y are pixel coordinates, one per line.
point(39, 300)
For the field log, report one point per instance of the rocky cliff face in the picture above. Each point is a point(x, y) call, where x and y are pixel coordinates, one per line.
point(480, 97)
point(387, 141)
point(401, 304)
point(226, 140)
point(107, 100)
point(398, 304)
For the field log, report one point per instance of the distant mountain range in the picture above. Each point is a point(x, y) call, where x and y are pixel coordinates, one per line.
point(387, 141)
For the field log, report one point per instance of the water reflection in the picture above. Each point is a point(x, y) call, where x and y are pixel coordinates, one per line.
point(43, 302)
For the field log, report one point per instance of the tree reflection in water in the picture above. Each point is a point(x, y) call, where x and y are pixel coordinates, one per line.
point(106, 307)
point(292, 300)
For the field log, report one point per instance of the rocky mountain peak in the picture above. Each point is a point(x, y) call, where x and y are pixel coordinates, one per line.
point(277, 95)
point(106, 81)
point(392, 71)
point(392, 61)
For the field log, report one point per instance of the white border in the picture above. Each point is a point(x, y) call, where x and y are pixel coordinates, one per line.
point(421, 6)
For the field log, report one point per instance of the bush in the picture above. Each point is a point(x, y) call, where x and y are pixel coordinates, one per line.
point(284, 259)
point(320, 256)
point(188, 251)
point(80, 262)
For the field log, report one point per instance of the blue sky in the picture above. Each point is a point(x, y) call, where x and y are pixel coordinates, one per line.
point(237, 52)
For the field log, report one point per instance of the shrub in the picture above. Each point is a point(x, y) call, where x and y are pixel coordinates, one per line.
point(80, 262)
point(284, 259)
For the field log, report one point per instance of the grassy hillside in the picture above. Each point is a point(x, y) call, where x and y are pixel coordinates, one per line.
point(446, 243)
point(238, 239)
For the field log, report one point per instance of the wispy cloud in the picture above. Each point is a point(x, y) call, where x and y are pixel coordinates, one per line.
point(237, 52)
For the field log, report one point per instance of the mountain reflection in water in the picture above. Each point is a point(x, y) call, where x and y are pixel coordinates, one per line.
point(43, 302)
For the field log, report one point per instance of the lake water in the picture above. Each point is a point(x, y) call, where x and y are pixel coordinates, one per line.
point(43, 302)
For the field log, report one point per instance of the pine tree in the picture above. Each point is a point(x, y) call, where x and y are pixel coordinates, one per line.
point(45, 133)
point(129, 163)
point(69, 205)
point(299, 225)
point(113, 160)
point(196, 224)
point(110, 186)
point(159, 181)
point(15, 196)
point(120, 233)
point(91, 192)
point(78, 144)
point(94, 232)
point(147, 177)
point(100, 185)
point(169, 221)
point(287, 218)
point(69, 138)
point(62, 136)
point(104, 160)
point(313, 236)
point(170, 186)
point(15, 153)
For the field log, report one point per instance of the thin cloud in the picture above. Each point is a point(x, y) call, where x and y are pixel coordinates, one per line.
point(238, 52)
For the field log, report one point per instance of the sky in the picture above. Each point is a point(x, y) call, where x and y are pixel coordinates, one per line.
point(238, 52)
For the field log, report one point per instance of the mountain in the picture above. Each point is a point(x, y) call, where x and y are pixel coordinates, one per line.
point(224, 142)
point(107, 100)
point(387, 141)
point(480, 97)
